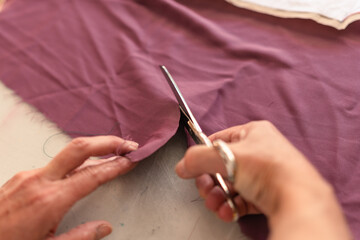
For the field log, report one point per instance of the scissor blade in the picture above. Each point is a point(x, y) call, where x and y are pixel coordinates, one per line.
point(187, 118)
point(179, 97)
point(196, 133)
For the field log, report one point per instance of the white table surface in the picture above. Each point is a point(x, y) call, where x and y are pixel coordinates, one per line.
point(150, 202)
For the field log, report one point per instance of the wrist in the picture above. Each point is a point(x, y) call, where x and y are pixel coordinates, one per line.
point(308, 209)
point(300, 187)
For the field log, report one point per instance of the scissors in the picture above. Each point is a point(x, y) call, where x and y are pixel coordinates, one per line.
point(193, 128)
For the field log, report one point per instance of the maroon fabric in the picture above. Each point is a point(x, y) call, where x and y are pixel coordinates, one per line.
point(92, 67)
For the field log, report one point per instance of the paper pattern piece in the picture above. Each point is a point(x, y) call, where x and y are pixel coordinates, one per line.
point(337, 14)
point(92, 68)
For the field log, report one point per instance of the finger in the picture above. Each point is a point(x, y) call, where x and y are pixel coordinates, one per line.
point(198, 160)
point(88, 231)
point(88, 179)
point(80, 149)
point(92, 162)
point(232, 134)
point(225, 212)
point(204, 183)
point(215, 199)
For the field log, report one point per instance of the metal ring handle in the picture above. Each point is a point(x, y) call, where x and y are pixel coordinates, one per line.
point(230, 164)
point(220, 181)
point(228, 157)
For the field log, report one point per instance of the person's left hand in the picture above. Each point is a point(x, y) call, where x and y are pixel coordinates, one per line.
point(32, 203)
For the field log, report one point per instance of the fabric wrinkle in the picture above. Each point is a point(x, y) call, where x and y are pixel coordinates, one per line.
point(92, 68)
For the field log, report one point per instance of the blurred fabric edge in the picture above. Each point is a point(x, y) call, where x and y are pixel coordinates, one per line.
point(286, 11)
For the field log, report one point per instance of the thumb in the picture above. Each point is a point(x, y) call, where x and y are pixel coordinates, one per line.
point(88, 231)
point(200, 159)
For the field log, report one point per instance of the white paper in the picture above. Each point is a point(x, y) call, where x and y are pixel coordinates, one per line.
point(328, 12)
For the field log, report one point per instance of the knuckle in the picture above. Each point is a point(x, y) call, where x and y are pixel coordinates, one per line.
point(93, 173)
point(35, 192)
point(80, 143)
point(26, 178)
point(265, 123)
point(236, 135)
point(263, 126)
point(44, 197)
point(20, 176)
point(113, 141)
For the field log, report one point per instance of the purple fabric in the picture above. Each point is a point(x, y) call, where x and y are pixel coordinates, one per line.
point(92, 67)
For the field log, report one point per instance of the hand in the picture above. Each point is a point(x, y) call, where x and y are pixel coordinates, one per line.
point(32, 203)
point(273, 178)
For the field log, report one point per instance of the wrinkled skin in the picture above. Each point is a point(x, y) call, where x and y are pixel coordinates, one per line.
point(32, 203)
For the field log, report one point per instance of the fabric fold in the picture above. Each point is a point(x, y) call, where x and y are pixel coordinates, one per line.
point(92, 68)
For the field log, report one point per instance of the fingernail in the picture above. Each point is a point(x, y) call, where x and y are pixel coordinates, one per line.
point(102, 231)
point(126, 146)
point(132, 145)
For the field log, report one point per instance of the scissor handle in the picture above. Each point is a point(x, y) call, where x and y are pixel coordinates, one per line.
point(201, 138)
point(221, 182)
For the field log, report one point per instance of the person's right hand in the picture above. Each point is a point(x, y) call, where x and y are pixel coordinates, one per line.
point(273, 178)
